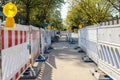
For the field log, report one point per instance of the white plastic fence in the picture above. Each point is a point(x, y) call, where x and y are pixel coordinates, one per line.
point(48, 38)
point(102, 44)
point(14, 55)
point(43, 42)
point(69, 35)
point(109, 50)
point(52, 33)
point(35, 43)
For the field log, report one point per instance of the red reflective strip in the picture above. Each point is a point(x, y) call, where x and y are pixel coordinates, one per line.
point(20, 37)
point(25, 66)
point(21, 70)
point(2, 39)
point(16, 37)
point(16, 75)
point(11, 79)
point(24, 36)
point(9, 38)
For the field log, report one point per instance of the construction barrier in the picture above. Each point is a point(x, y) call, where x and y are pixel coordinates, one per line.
point(20, 48)
point(43, 41)
point(52, 33)
point(14, 54)
point(35, 43)
point(69, 35)
point(102, 45)
point(109, 50)
point(48, 38)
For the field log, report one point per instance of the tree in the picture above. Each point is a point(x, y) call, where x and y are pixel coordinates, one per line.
point(89, 12)
point(115, 4)
point(37, 11)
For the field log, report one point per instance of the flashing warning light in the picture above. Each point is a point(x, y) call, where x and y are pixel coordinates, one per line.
point(54, 29)
point(48, 27)
point(80, 26)
point(10, 10)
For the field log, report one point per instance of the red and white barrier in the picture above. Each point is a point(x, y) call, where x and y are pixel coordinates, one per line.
point(14, 56)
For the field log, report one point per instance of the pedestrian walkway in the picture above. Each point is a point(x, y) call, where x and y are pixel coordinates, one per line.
point(65, 63)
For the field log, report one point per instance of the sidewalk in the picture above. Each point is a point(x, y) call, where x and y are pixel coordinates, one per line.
point(65, 63)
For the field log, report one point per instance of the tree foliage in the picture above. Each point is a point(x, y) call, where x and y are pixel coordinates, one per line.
point(38, 12)
point(88, 12)
point(116, 5)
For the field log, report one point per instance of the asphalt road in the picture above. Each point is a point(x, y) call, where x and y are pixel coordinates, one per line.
point(65, 63)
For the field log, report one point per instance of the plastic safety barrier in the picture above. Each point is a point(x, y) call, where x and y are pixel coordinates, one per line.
point(69, 35)
point(102, 45)
point(35, 43)
point(43, 42)
point(48, 38)
point(14, 55)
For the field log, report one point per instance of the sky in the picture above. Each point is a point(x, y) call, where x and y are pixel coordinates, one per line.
point(64, 10)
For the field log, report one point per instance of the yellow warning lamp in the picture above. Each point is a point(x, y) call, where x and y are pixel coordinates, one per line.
point(69, 28)
point(48, 27)
point(10, 10)
point(80, 26)
point(54, 29)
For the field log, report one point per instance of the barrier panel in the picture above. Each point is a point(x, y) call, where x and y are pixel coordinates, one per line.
point(43, 42)
point(48, 38)
point(109, 50)
point(69, 35)
point(35, 43)
point(102, 45)
point(88, 41)
point(52, 33)
point(14, 55)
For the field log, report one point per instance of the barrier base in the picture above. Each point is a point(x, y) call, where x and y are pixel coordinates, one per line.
point(87, 59)
point(41, 59)
point(76, 47)
point(31, 73)
point(99, 75)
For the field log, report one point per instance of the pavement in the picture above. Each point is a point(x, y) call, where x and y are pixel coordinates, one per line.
point(65, 63)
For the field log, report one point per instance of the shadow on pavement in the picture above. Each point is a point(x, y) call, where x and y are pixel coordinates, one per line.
point(47, 67)
point(67, 53)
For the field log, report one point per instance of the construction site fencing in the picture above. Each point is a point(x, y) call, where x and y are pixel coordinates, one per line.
point(14, 54)
point(102, 45)
point(48, 38)
point(19, 49)
point(43, 41)
point(35, 43)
